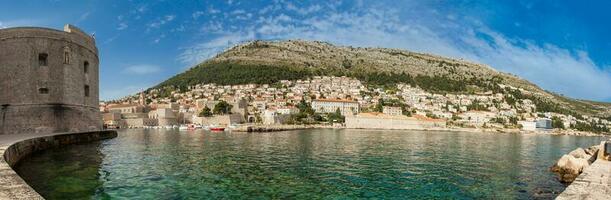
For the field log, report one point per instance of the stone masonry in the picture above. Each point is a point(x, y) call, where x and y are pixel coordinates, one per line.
point(49, 81)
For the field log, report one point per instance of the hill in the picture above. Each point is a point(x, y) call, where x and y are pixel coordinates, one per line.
point(270, 61)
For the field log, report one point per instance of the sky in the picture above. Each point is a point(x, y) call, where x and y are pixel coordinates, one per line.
point(560, 45)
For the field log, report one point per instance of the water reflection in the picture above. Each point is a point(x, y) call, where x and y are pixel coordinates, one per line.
point(160, 164)
point(66, 172)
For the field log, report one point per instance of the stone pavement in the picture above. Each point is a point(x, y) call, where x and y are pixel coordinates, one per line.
point(593, 183)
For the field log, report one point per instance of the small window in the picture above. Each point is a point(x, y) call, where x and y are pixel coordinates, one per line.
point(86, 90)
point(66, 55)
point(43, 90)
point(86, 67)
point(42, 59)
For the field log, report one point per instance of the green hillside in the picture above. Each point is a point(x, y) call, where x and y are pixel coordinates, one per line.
point(267, 62)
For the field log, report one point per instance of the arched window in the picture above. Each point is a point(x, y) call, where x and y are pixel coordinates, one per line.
point(42, 59)
point(86, 67)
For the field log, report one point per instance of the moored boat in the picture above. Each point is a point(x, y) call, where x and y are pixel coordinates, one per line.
point(217, 129)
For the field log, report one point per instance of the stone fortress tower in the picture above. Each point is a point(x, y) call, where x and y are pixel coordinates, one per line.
point(48, 81)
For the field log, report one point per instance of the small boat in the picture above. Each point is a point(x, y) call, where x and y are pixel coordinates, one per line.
point(217, 129)
point(183, 128)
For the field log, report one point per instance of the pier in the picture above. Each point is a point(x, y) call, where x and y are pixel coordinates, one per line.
point(593, 183)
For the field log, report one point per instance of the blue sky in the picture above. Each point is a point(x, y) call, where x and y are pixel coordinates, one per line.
point(561, 45)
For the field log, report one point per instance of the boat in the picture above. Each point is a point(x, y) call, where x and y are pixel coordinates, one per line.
point(183, 128)
point(217, 129)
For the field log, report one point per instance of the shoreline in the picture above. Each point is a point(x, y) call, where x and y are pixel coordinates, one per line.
point(277, 128)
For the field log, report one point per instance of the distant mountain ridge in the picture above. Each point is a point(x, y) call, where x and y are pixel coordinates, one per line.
point(270, 61)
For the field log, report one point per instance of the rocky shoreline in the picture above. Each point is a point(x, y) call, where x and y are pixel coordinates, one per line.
point(572, 164)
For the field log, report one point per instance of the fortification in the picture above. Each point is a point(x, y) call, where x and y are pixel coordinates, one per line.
point(48, 81)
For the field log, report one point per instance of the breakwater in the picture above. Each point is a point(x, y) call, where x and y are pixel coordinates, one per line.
point(593, 181)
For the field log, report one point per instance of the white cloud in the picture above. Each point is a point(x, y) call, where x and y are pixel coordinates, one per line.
point(169, 18)
point(162, 21)
point(237, 12)
point(142, 69)
point(195, 54)
point(158, 39)
point(122, 26)
point(212, 10)
point(142, 8)
point(561, 70)
point(567, 71)
point(303, 11)
point(83, 17)
point(111, 39)
point(197, 14)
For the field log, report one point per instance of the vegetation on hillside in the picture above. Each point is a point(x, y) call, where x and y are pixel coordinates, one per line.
point(266, 62)
point(227, 73)
point(233, 74)
point(222, 108)
point(206, 112)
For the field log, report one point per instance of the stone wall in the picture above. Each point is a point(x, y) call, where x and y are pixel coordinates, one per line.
point(47, 97)
point(222, 120)
point(360, 122)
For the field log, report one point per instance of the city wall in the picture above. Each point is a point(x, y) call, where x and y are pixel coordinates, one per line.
point(400, 122)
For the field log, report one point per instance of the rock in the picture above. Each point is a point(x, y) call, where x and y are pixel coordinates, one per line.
point(577, 164)
point(579, 153)
point(593, 150)
point(569, 167)
point(561, 163)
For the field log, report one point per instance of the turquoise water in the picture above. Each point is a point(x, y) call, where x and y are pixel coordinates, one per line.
point(305, 164)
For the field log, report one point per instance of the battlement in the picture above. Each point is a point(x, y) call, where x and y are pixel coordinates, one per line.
point(70, 34)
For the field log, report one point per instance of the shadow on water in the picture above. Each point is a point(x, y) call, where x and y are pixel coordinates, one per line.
point(64, 172)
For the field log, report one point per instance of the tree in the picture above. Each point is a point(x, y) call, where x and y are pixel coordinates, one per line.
point(222, 107)
point(305, 108)
point(206, 112)
point(336, 117)
point(557, 122)
point(380, 106)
